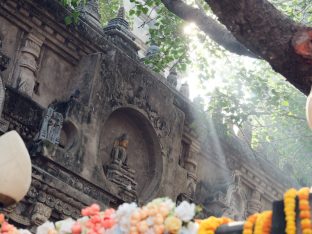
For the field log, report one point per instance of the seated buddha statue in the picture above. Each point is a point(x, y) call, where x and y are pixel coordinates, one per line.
point(119, 151)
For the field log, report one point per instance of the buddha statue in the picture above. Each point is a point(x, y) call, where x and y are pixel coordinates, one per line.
point(118, 172)
point(119, 151)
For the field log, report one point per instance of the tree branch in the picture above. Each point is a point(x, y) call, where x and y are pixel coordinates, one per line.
point(208, 25)
point(259, 26)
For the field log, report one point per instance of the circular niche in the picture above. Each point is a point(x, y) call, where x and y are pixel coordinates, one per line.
point(143, 153)
point(69, 135)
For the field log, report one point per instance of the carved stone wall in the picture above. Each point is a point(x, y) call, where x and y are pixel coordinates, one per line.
point(99, 93)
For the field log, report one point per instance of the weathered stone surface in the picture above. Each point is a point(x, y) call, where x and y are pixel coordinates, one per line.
point(102, 92)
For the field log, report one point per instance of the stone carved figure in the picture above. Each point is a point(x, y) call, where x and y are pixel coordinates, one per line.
point(118, 172)
point(51, 126)
point(236, 198)
point(119, 151)
point(229, 198)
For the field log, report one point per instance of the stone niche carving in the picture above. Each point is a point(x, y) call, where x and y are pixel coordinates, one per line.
point(143, 153)
point(117, 169)
point(51, 126)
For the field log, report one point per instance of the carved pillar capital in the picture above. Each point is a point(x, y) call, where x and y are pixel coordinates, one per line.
point(27, 65)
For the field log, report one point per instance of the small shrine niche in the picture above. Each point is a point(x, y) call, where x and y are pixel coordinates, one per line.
point(118, 171)
point(51, 126)
point(130, 153)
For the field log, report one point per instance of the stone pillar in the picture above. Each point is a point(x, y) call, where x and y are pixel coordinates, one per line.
point(254, 203)
point(190, 165)
point(27, 65)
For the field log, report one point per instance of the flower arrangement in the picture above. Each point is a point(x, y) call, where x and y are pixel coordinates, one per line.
point(157, 217)
point(162, 216)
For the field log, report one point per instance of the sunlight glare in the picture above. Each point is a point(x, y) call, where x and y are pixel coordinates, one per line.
point(189, 29)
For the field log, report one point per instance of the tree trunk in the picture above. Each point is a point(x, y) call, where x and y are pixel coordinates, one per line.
point(264, 30)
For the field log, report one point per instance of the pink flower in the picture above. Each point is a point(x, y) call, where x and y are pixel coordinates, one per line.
point(76, 228)
point(91, 210)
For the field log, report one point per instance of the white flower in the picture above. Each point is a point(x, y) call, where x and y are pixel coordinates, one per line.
point(123, 215)
point(23, 231)
point(83, 219)
point(65, 226)
point(185, 211)
point(191, 228)
point(169, 203)
point(45, 228)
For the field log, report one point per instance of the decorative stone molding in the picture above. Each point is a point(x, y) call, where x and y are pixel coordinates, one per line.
point(27, 66)
point(41, 213)
point(23, 114)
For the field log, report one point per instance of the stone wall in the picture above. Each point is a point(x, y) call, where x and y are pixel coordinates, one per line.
point(71, 92)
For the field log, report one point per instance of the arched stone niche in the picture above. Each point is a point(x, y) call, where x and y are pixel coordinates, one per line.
point(69, 136)
point(143, 153)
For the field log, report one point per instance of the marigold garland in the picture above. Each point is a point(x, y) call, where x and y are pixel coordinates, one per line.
point(289, 209)
point(210, 225)
point(267, 223)
point(304, 211)
point(249, 224)
point(263, 223)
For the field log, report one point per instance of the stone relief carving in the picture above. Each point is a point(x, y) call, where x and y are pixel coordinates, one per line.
point(41, 213)
point(128, 92)
point(23, 115)
point(118, 171)
point(25, 72)
point(76, 182)
point(51, 126)
point(229, 198)
point(254, 203)
point(46, 198)
point(236, 198)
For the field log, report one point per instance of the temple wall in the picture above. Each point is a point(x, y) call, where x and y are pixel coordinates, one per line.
point(94, 92)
